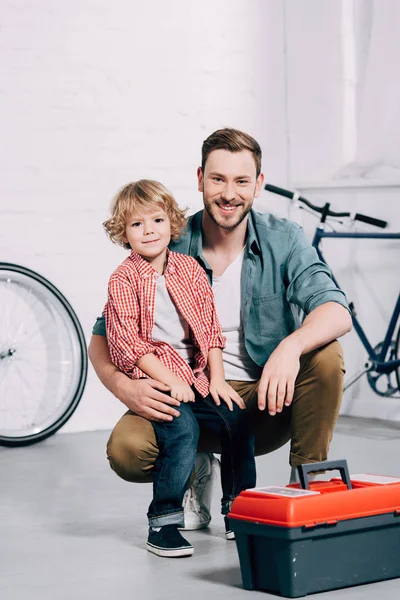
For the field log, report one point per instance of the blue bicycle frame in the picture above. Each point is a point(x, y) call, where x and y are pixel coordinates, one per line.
point(381, 365)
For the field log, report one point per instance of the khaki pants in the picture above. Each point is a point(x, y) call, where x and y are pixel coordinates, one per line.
point(308, 423)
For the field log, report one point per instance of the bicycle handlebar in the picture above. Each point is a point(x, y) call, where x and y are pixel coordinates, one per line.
point(325, 210)
point(371, 221)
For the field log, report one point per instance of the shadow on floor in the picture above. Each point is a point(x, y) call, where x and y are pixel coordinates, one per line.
point(230, 577)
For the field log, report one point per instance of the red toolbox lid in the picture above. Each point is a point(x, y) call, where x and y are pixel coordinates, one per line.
point(325, 502)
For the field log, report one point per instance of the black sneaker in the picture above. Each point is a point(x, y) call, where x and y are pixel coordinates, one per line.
point(229, 534)
point(168, 541)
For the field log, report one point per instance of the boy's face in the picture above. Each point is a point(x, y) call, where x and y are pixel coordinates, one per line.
point(149, 233)
point(229, 185)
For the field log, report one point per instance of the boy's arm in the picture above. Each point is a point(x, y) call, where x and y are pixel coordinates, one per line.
point(122, 312)
point(128, 347)
point(144, 397)
point(219, 388)
point(153, 367)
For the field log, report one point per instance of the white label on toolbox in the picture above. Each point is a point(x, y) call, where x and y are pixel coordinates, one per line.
point(276, 490)
point(367, 478)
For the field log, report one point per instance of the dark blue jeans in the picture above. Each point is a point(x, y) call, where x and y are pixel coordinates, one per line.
point(177, 442)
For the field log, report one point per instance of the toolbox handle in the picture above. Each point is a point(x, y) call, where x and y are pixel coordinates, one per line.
point(328, 465)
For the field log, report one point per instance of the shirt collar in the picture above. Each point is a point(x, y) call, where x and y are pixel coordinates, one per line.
point(145, 269)
point(252, 238)
point(196, 242)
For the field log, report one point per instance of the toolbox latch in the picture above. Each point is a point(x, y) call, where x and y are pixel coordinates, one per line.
point(330, 523)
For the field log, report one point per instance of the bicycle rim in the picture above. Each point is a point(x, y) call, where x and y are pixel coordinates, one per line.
point(43, 357)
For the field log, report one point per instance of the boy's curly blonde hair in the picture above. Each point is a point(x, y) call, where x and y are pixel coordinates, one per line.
point(142, 196)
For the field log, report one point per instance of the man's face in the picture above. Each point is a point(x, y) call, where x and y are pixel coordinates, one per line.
point(229, 185)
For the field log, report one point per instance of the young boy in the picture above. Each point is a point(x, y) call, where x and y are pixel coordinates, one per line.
point(161, 323)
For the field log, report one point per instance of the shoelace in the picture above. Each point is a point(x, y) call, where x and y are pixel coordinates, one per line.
point(191, 501)
point(195, 492)
point(199, 485)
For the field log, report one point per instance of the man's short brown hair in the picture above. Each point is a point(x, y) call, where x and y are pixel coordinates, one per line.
point(232, 140)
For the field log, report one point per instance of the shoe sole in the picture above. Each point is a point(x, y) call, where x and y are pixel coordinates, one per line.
point(175, 553)
point(195, 526)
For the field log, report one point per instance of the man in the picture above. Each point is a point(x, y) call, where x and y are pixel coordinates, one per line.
point(290, 376)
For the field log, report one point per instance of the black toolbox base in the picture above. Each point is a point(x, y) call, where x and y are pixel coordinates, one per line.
point(299, 561)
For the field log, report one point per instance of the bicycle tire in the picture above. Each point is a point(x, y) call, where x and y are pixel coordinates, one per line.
point(72, 322)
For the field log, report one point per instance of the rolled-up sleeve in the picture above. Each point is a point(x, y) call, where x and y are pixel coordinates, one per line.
point(310, 282)
point(122, 325)
point(99, 328)
point(210, 322)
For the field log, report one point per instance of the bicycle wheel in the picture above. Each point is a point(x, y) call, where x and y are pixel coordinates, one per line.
point(43, 357)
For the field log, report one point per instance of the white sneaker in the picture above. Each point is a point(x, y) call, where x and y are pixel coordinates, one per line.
point(197, 499)
point(229, 534)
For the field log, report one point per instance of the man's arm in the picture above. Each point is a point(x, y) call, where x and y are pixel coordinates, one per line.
point(323, 325)
point(310, 286)
point(143, 396)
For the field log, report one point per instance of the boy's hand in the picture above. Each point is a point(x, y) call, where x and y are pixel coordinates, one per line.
point(220, 389)
point(181, 391)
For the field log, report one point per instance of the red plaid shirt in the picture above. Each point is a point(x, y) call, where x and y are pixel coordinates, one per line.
point(129, 315)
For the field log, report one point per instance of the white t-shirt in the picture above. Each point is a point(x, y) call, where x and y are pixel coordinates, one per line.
point(227, 292)
point(169, 325)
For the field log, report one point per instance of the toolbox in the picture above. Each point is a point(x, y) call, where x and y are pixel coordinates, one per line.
point(320, 535)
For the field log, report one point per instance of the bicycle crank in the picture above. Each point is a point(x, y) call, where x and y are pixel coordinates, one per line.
point(384, 384)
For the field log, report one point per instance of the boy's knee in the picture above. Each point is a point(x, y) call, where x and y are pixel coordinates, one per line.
point(237, 421)
point(185, 427)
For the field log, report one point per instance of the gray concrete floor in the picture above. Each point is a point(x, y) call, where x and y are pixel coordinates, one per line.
point(69, 528)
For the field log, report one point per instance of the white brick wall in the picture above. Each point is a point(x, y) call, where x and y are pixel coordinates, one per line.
point(96, 93)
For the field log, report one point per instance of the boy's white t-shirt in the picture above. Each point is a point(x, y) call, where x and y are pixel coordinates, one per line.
point(169, 325)
point(227, 293)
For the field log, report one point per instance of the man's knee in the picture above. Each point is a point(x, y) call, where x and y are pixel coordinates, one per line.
point(132, 449)
point(316, 404)
point(319, 386)
point(327, 364)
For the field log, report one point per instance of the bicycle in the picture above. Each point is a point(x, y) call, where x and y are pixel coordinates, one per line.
point(43, 357)
point(383, 364)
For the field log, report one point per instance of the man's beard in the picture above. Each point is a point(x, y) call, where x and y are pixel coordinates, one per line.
point(222, 225)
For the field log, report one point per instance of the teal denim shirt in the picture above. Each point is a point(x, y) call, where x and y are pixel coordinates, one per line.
point(281, 270)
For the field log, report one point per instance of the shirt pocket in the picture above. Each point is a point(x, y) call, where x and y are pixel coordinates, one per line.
point(272, 315)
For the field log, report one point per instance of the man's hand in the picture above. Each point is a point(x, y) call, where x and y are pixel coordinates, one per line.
point(145, 398)
point(220, 389)
point(278, 377)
